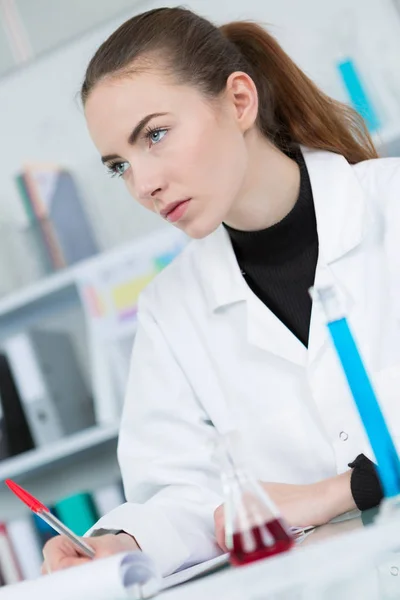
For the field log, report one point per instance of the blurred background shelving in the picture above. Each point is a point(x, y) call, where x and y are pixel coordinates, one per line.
point(27, 35)
point(88, 457)
point(75, 447)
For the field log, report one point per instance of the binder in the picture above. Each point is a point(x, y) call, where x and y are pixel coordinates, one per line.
point(70, 223)
point(3, 436)
point(54, 396)
point(9, 565)
point(25, 541)
point(32, 207)
point(15, 435)
point(77, 512)
point(38, 228)
point(58, 207)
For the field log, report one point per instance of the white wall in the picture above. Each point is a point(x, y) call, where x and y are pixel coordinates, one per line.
point(40, 117)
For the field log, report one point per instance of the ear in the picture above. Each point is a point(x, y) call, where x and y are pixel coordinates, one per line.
point(242, 93)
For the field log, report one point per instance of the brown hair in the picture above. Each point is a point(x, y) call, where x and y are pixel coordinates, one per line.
point(292, 109)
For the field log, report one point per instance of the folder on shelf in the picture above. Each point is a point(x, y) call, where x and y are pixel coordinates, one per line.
point(56, 204)
point(54, 396)
point(3, 437)
point(78, 512)
point(25, 542)
point(15, 435)
point(48, 241)
point(10, 568)
point(38, 227)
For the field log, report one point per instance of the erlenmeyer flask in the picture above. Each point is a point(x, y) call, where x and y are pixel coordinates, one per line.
point(254, 528)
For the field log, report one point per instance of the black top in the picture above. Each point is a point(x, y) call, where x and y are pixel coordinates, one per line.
point(279, 262)
point(279, 265)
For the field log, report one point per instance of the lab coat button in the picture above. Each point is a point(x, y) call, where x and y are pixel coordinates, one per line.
point(394, 571)
point(343, 436)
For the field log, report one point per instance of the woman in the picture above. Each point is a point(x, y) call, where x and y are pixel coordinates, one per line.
point(219, 132)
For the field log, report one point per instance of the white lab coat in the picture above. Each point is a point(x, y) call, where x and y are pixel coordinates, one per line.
point(210, 356)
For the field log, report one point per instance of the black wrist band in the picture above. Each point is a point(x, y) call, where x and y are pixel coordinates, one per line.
point(99, 532)
point(365, 485)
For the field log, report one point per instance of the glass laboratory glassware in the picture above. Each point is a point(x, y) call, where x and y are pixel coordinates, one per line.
point(254, 528)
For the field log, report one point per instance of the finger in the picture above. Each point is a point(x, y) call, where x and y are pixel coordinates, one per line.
point(70, 561)
point(219, 521)
point(104, 552)
point(219, 515)
point(220, 536)
point(59, 553)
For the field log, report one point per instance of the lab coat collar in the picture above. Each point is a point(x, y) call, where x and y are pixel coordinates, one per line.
point(222, 278)
point(339, 202)
point(340, 213)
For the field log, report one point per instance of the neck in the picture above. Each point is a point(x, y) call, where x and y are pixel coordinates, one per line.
point(270, 189)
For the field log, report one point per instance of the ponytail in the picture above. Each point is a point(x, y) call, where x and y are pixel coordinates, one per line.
point(292, 109)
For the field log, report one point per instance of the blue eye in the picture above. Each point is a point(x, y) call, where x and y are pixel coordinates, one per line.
point(155, 135)
point(117, 169)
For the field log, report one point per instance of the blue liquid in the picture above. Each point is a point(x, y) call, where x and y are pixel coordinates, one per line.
point(368, 407)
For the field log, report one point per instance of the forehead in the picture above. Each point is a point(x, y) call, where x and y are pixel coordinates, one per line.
point(117, 104)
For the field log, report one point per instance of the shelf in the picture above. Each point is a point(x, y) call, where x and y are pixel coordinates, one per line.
point(54, 284)
point(63, 451)
point(49, 285)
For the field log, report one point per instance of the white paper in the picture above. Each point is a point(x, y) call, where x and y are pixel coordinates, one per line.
point(112, 578)
point(115, 578)
point(191, 572)
point(299, 533)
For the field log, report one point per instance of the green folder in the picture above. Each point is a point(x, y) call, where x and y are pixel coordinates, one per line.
point(77, 512)
point(34, 224)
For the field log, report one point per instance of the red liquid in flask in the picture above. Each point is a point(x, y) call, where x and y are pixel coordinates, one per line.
point(280, 541)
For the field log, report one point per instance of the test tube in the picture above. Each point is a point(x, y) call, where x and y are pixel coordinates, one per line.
point(362, 391)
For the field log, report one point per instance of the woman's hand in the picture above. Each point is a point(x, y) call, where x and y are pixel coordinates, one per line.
point(302, 505)
point(61, 553)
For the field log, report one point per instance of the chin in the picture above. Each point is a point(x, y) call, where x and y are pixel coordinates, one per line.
point(198, 231)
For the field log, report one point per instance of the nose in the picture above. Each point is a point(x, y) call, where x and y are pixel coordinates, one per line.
point(148, 191)
point(149, 183)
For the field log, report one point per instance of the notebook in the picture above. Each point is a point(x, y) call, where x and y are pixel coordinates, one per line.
point(125, 575)
point(113, 578)
point(121, 576)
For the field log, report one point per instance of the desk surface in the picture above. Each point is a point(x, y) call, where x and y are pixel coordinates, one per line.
point(352, 558)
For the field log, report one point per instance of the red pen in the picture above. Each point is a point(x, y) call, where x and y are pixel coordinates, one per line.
point(43, 512)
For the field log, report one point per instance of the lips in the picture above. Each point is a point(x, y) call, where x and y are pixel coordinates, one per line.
point(170, 207)
point(174, 208)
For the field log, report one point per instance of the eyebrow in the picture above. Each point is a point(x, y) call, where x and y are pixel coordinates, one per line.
point(133, 137)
